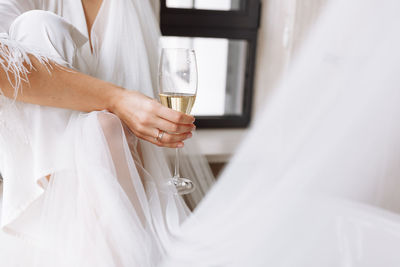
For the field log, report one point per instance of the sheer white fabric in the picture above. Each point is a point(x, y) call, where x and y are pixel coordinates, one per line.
point(316, 183)
point(107, 202)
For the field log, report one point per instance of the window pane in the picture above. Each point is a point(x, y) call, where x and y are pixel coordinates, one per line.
point(222, 66)
point(206, 4)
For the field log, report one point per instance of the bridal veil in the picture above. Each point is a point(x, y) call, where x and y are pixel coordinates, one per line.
point(317, 180)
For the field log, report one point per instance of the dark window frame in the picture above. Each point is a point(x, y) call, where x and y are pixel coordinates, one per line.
point(240, 24)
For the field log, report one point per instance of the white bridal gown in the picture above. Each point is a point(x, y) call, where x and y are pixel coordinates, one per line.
point(107, 203)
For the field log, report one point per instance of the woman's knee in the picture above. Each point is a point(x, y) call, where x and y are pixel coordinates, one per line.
point(47, 33)
point(35, 21)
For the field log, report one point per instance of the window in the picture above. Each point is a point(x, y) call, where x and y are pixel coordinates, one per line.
point(206, 4)
point(224, 35)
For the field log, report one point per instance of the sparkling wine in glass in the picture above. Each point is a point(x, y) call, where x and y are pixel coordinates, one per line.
point(177, 90)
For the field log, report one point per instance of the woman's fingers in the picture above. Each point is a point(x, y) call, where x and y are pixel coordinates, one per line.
point(152, 134)
point(171, 127)
point(158, 116)
point(173, 116)
point(158, 142)
point(174, 138)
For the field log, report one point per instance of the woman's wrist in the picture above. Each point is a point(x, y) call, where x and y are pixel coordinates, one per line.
point(117, 94)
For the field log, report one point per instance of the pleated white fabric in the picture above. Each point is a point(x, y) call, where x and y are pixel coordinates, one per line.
point(107, 202)
point(317, 181)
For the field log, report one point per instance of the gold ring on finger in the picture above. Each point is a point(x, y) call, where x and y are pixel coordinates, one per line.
point(160, 135)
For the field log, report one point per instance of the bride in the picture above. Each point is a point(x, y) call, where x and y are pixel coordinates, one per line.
point(321, 191)
point(85, 182)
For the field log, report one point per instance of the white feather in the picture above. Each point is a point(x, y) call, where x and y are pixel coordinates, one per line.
point(16, 63)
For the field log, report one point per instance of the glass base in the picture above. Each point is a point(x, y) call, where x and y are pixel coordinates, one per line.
point(183, 186)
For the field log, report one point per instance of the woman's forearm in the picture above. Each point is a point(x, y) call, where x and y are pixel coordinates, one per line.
point(64, 88)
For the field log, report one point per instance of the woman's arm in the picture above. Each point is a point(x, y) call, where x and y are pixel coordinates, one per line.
point(73, 90)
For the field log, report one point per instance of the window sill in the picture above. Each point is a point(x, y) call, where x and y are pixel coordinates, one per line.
point(218, 145)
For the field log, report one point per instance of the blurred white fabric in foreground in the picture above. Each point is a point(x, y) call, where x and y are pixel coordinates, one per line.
point(317, 180)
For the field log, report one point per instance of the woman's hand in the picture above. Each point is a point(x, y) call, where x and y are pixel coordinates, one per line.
point(146, 118)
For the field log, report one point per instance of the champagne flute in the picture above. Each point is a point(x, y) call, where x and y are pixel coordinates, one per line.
point(177, 90)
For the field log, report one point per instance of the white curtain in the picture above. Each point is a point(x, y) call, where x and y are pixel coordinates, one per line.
point(284, 26)
point(156, 7)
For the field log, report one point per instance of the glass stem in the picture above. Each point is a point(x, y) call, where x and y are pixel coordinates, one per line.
point(176, 172)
